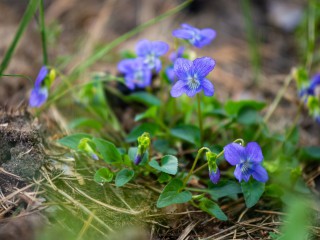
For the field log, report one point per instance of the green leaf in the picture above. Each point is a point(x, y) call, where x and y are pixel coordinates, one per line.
point(164, 177)
point(85, 122)
point(163, 146)
point(109, 152)
point(150, 113)
point(225, 189)
point(123, 177)
point(151, 128)
point(252, 191)
point(233, 107)
point(248, 116)
point(188, 133)
point(311, 152)
point(103, 175)
point(169, 164)
point(145, 98)
point(172, 194)
point(212, 208)
point(72, 141)
point(301, 76)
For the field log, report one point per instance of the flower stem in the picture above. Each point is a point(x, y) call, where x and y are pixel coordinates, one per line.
point(239, 140)
point(194, 164)
point(206, 164)
point(200, 119)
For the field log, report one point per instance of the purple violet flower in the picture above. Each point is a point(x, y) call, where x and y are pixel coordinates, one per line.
point(214, 175)
point(136, 74)
point(173, 57)
point(191, 77)
point(197, 37)
point(94, 156)
point(309, 87)
point(177, 54)
point(150, 52)
point(247, 161)
point(138, 159)
point(39, 93)
point(314, 84)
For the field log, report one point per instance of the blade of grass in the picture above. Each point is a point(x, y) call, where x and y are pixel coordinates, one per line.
point(102, 52)
point(43, 33)
point(252, 40)
point(30, 11)
point(17, 75)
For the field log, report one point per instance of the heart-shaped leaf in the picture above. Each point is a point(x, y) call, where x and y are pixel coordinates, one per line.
point(108, 151)
point(252, 191)
point(124, 176)
point(188, 133)
point(169, 164)
point(103, 175)
point(72, 141)
point(172, 194)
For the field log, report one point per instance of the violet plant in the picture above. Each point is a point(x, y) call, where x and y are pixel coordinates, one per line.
point(164, 144)
point(189, 77)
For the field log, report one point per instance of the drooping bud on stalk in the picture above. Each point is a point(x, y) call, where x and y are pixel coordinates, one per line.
point(214, 172)
point(88, 147)
point(143, 145)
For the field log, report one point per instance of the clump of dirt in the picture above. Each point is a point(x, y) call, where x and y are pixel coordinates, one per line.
point(21, 156)
point(21, 153)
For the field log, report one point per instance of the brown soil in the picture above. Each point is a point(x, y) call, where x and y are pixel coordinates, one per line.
point(21, 157)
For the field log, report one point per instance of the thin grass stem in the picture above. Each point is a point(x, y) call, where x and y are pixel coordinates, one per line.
point(43, 33)
point(200, 119)
point(29, 13)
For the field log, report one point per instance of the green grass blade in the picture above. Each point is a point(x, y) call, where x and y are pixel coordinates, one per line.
point(43, 33)
point(252, 40)
point(102, 52)
point(30, 11)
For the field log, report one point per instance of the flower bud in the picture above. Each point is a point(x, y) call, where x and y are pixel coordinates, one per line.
point(214, 172)
point(87, 146)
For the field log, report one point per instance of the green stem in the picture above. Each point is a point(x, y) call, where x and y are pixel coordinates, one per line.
point(219, 155)
point(72, 88)
point(274, 104)
point(43, 34)
point(194, 164)
point(30, 11)
point(17, 75)
point(252, 39)
point(106, 49)
point(98, 55)
point(200, 119)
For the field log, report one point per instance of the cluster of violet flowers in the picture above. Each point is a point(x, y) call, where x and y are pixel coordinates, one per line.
point(189, 77)
point(138, 71)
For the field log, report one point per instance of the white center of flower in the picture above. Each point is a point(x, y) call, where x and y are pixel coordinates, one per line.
point(150, 60)
point(138, 76)
point(196, 37)
point(245, 166)
point(193, 82)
